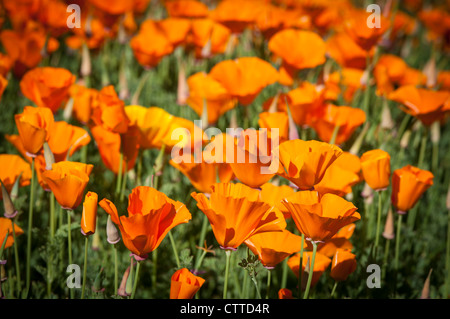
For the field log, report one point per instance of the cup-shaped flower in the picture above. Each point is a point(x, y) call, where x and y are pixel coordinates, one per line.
point(273, 195)
point(273, 247)
point(68, 180)
point(184, 284)
point(151, 215)
point(376, 168)
point(318, 217)
point(321, 263)
point(236, 213)
point(343, 264)
point(304, 163)
point(408, 185)
point(89, 214)
point(34, 125)
point(13, 167)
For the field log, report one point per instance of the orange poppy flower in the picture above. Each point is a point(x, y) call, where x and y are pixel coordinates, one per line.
point(339, 241)
point(307, 52)
point(53, 16)
point(285, 293)
point(111, 144)
point(273, 247)
point(443, 80)
point(92, 33)
point(252, 160)
point(205, 91)
point(304, 163)
point(357, 27)
point(67, 180)
point(66, 139)
point(346, 52)
point(408, 185)
point(343, 264)
point(321, 264)
point(273, 195)
point(183, 135)
point(320, 217)
point(151, 215)
point(150, 45)
point(436, 21)
point(376, 168)
point(13, 166)
point(186, 9)
point(89, 214)
point(388, 71)
point(426, 105)
point(244, 78)
point(47, 86)
point(347, 118)
point(236, 213)
point(208, 37)
point(34, 125)
point(84, 101)
point(347, 82)
point(175, 29)
point(279, 120)
point(3, 84)
point(184, 284)
point(6, 63)
point(6, 227)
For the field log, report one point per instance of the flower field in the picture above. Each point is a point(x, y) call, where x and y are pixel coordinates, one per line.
point(224, 149)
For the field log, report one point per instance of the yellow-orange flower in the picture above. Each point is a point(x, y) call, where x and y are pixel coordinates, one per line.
point(320, 217)
point(89, 214)
point(376, 168)
point(6, 227)
point(304, 163)
point(236, 213)
point(184, 284)
point(13, 166)
point(343, 264)
point(151, 215)
point(68, 180)
point(321, 263)
point(34, 125)
point(274, 195)
point(408, 185)
point(66, 139)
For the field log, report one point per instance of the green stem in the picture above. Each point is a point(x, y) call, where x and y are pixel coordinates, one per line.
point(334, 288)
point(174, 247)
point(255, 282)
point(201, 240)
point(269, 275)
point(397, 241)
point(284, 274)
point(386, 254)
point(335, 133)
point(300, 268)
point(447, 259)
point(311, 270)
point(30, 227)
point(423, 147)
point(227, 270)
point(245, 286)
point(155, 264)
point(16, 258)
point(69, 239)
point(136, 278)
point(119, 175)
point(377, 234)
point(124, 183)
point(86, 243)
point(116, 270)
point(435, 158)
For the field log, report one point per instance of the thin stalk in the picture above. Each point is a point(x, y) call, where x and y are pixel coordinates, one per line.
point(423, 147)
point(284, 274)
point(447, 259)
point(201, 240)
point(334, 289)
point(255, 282)
point(155, 263)
point(227, 270)
point(69, 240)
point(335, 133)
point(116, 269)
point(16, 259)
point(30, 227)
point(386, 254)
point(269, 278)
point(311, 270)
point(86, 244)
point(300, 269)
point(119, 175)
point(52, 235)
point(397, 248)
point(124, 183)
point(377, 234)
point(174, 247)
point(136, 278)
point(245, 286)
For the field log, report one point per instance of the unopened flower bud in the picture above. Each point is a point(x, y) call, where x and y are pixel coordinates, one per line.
point(112, 233)
point(48, 156)
point(426, 287)
point(389, 232)
point(405, 139)
point(10, 210)
point(122, 291)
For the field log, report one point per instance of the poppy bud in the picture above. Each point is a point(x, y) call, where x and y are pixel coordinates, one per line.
point(98, 282)
point(389, 226)
point(184, 284)
point(122, 291)
point(404, 142)
point(89, 215)
point(343, 264)
point(426, 287)
point(10, 210)
point(112, 233)
point(49, 157)
point(376, 168)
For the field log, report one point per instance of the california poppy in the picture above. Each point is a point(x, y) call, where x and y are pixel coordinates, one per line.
point(343, 264)
point(186, 9)
point(376, 168)
point(319, 218)
point(84, 101)
point(346, 52)
point(245, 77)
point(304, 163)
point(339, 241)
point(208, 37)
point(236, 213)
point(151, 215)
point(273, 195)
point(184, 284)
point(47, 86)
point(34, 125)
point(346, 82)
point(89, 214)
point(285, 293)
point(6, 227)
point(68, 180)
point(175, 29)
point(278, 120)
point(408, 185)
point(3, 84)
point(321, 263)
point(13, 167)
point(388, 71)
point(66, 139)
point(273, 247)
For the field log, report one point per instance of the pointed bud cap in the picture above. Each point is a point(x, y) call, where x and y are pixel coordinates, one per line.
point(49, 157)
point(389, 232)
point(112, 233)
point(426, 287)
point(10, 210)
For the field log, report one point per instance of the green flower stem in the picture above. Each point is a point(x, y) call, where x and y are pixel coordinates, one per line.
point(335, 133)
point(300, 269)
point(69, 239)
point(397, 240)
point(423, 147)
point(52, 235)
point(155, 268)
point(119, 175)
point(269, 279)
point(174, 247)
point(86, 244)
point(386, 255)
point(377, 234)
point(447, 259)
point(284, 274)
point(16, 259)
point(227, 270)
point(245, 286)
point(30, 227)
point(124, 183)
point(311, 270)
point(255, 282)
point(116, 270)
point(136, 278)
point(201, 240)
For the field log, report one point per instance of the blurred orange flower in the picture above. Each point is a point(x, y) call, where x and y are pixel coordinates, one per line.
point(89, 214)
point(13, 166)
point(6, 227)
point(273, 247)
point(184, 284)
point(66, 139)
point(304, 163)
point(318, 217)
point(3, 84)
point(208, 37)
point(343, 264)
point(376, 168)
point(236, 213)
point(68, 180)
point(408, 185)
point(151, 215)
point(186, 9)
point(34, 125)
point(285, 293)
point(275, 120)
point(84, 101)
point(245, 77)
point(321, 264)
point(346, 52)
